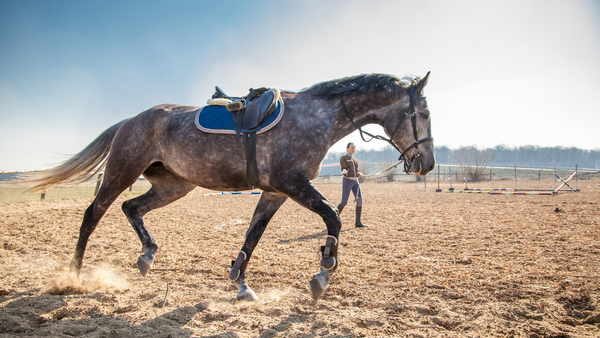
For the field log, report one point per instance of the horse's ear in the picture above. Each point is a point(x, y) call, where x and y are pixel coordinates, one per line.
point(421, 85)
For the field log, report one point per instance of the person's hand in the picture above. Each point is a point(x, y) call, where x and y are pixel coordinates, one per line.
point(344, 172)
point(360, 174)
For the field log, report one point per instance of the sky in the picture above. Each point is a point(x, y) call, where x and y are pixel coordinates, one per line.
point(502, 72)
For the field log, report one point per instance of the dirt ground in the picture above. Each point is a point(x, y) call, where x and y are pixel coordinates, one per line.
point(430, 265)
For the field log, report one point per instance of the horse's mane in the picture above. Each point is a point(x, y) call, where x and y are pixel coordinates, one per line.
point(366, 83)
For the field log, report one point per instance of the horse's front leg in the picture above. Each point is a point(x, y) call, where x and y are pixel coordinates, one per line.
point(299, 188)
point(320, 281)
point(267, 206)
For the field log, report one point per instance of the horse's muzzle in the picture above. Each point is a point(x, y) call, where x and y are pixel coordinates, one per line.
point(422, 166)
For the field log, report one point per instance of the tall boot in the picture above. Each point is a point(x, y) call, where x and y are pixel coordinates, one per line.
point(358, 223)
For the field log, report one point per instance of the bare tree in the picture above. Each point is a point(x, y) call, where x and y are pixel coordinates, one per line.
point(473, 161)
point(365, 169)
point(390, 173)
point(389, 154)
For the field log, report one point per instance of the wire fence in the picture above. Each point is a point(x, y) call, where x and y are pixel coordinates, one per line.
point(14, 190)
point(452, 173)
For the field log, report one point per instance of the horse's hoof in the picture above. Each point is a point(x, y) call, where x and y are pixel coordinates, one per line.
point(247, 296)
point(316, 287)
point(74, 273)
point(144, 266)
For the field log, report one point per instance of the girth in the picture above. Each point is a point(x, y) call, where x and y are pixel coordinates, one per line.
point(255, 113)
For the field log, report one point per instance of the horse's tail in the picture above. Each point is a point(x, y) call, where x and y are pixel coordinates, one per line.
point(79, 168)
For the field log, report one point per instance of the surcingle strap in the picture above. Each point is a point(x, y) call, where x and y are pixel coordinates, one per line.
point(238, 266)
point(252, 177)
point(329, 251)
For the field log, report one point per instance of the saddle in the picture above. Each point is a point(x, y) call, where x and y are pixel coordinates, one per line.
point(249, 115)
point(248, 111)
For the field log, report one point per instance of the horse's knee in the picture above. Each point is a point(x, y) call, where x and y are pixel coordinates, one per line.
point(129, 209)
point(332, 220)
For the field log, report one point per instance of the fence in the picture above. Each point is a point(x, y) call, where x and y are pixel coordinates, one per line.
point(12, 189)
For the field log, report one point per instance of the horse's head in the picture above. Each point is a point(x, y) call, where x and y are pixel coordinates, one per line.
point(410, 128)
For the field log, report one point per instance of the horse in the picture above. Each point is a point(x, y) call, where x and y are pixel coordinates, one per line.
point(163, 145)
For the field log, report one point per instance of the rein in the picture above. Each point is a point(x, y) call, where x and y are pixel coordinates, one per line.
point(415, 146)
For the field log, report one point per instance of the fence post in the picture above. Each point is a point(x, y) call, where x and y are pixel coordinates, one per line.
point(43, 197)
point(554, 164)
point(438, 188)
point(515, 175)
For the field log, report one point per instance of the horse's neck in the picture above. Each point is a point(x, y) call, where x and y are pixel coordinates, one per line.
point(343, 125)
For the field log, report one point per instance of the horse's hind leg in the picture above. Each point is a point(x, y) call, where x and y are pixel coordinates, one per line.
point(166, 188)
point(110, 189)
point(267, 206)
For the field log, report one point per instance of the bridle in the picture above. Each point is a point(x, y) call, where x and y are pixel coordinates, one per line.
point(416, 151)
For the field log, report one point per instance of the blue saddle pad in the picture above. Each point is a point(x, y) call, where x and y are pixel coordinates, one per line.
point(219, 120)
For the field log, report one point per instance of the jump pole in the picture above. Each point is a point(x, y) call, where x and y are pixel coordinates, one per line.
point(497, 192)
point(233, 193)
point(566, 182)
point(549, 193)
point(494, 189)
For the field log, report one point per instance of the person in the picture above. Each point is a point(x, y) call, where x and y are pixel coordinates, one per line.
point(349, 165)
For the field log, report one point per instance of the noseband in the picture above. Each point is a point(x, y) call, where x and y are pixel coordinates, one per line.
point(416, 151)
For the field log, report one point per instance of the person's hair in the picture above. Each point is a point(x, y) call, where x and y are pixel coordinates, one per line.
point(348, 146)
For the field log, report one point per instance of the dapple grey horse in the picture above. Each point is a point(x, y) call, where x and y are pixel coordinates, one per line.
point(163, 145)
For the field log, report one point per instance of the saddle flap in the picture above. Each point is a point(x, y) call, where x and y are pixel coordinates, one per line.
point(217, 119)
point(258, 109)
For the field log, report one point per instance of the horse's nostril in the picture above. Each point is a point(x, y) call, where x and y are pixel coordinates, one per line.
point(432, 166)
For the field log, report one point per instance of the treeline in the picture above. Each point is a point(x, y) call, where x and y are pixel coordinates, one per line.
point(528, 155)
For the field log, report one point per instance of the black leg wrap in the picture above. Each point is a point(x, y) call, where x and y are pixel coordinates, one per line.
point(238, 266)
point(330, 250)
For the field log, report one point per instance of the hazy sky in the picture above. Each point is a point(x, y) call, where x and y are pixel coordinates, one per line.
point(502, 72)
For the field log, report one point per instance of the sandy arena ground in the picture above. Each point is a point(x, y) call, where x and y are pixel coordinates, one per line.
point(430, 265)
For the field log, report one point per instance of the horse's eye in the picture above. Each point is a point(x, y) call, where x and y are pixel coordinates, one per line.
point(425, 114)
